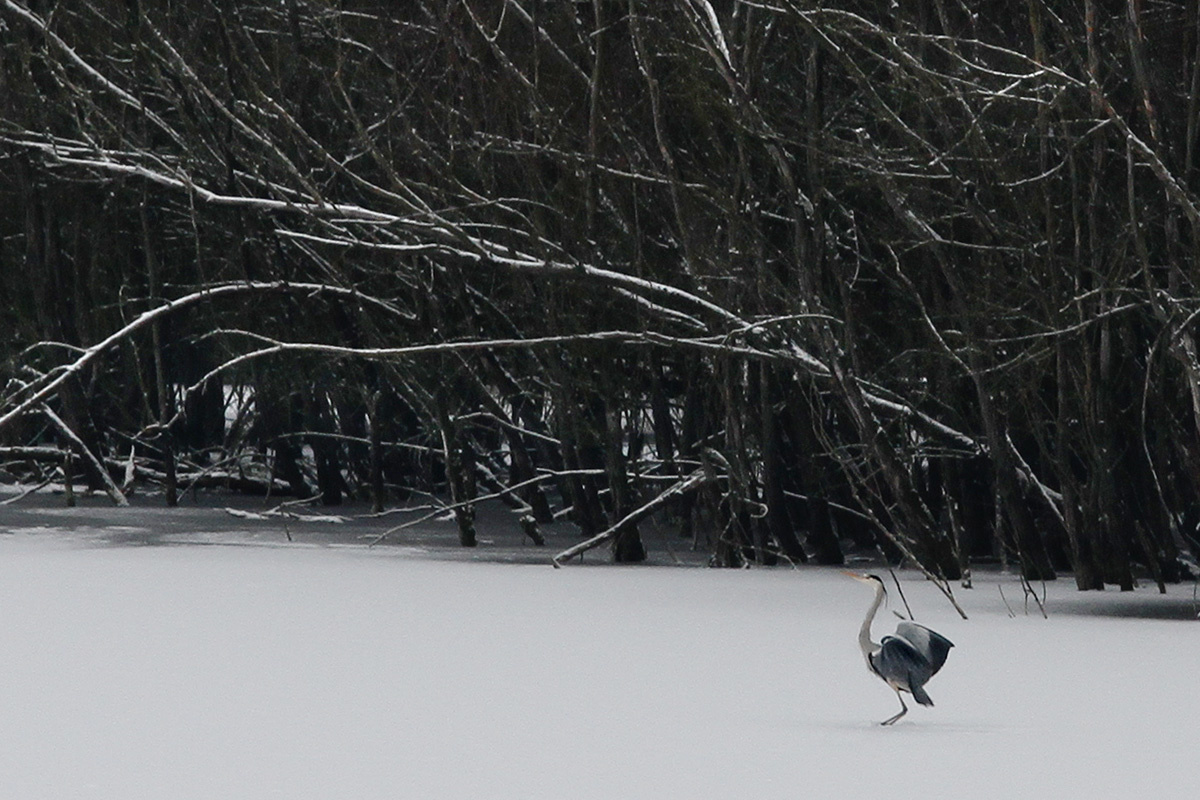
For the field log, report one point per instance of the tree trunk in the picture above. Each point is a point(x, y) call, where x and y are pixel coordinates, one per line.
point(778, 521)
point(460, 475)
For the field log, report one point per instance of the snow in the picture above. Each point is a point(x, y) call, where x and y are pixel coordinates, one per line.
point(232, 664)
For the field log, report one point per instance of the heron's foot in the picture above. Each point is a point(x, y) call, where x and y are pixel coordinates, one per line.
point(892, 720)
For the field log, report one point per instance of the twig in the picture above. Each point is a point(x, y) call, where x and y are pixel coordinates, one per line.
point(900, 590)
point(1029, 592)
point(1011, 613)
point(28, 491)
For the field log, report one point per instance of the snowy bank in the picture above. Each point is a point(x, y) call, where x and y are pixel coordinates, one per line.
point(256, 669)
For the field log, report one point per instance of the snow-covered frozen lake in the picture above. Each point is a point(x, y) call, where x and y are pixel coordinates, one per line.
point(256, 669)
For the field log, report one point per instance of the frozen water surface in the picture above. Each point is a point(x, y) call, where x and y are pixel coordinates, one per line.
point(256, 667)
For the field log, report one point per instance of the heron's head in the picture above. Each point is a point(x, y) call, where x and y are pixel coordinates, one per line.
point(873, 580)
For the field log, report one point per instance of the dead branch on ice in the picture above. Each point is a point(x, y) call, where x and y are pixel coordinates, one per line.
point(110, 485)
point(281, 512)
point(688, 484)
point(28, 491)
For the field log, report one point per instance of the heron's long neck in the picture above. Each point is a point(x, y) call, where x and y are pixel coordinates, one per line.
point(864, 633)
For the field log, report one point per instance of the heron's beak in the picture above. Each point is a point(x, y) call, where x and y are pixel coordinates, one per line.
point(858, 576)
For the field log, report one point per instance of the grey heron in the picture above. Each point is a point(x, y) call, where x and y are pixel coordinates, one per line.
point(905, 661)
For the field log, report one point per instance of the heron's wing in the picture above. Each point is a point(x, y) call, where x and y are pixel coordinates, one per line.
point(898, 661)
point(930, 644)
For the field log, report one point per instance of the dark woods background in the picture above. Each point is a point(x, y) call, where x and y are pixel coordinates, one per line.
point(787, 274)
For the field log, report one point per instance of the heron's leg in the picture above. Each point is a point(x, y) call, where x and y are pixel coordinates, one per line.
point(903, 711)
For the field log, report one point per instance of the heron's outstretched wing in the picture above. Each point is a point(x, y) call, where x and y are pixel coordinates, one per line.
point(898, 662)
point(930, 644)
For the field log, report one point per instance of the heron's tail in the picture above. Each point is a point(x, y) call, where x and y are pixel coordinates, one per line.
point(918, 693)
